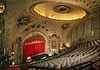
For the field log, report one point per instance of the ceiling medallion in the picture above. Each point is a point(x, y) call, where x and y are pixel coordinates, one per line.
point(63, 9)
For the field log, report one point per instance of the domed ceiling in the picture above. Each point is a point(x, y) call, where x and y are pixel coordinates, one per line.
point(60, 10)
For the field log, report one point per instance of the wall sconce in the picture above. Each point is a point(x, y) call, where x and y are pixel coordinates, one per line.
point(67, 44)
point(28, 59)
point(13, 63)
point(2, 8)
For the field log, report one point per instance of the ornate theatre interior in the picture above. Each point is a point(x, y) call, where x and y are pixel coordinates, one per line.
point(49, 34)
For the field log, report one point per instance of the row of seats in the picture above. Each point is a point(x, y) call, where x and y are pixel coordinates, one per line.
point(83, 53)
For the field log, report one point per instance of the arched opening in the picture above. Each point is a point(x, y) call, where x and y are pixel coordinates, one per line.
point(34, 46)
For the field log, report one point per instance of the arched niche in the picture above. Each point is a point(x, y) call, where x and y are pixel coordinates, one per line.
point(54, 43)
point(38, 35)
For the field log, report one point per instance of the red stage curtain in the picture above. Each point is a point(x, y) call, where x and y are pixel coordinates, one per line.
point(33, 46)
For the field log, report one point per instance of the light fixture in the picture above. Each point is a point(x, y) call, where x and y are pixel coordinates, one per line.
point(28, 59)
point(61, 43)
point(13, 63)
point(2, 7)
point(67, 44)
point(50, 54)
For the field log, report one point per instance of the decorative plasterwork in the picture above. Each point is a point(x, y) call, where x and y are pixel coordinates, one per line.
point(60, 10)
point(23, 20)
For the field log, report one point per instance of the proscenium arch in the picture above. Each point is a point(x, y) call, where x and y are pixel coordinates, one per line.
point(41, 34)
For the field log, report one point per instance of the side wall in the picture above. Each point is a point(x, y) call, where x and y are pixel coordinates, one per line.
point(86, 31)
